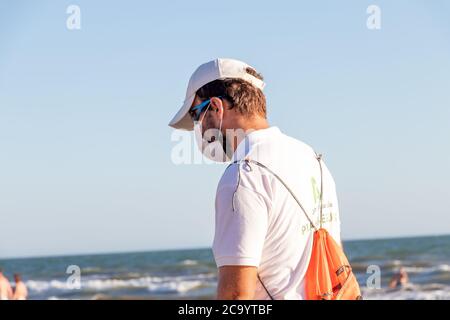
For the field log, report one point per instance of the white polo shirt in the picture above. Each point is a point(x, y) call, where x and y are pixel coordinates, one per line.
point(258, 222)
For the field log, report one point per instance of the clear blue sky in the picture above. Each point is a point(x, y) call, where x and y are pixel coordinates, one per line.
point(85, 150)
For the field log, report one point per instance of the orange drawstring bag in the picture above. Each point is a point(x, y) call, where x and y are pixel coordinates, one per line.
point(329, 275)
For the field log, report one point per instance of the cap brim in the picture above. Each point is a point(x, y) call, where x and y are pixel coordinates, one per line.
point(182, 120)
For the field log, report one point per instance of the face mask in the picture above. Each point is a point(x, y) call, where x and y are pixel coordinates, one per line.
point(211, 143)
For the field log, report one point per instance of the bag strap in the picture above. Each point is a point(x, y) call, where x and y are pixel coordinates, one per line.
point(319, 159)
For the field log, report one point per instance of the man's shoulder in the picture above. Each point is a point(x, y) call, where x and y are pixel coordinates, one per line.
point(279, 153)
point(283, 152)
point(230, 176)
point(298, 144)
point(243, 174)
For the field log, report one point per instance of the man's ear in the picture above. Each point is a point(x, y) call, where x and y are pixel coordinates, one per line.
point(217, 105)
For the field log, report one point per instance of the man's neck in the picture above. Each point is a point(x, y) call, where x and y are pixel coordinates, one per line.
point(248, 127)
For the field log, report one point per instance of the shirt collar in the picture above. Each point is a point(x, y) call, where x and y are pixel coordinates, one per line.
point(245, 146)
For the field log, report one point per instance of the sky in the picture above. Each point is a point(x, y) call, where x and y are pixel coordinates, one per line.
point(85, 150)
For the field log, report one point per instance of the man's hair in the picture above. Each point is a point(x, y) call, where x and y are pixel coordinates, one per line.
point(242, 95)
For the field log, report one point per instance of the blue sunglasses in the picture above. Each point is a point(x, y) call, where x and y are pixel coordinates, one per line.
point(197, 110)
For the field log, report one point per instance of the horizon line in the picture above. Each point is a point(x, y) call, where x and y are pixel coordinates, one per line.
point(193, 248)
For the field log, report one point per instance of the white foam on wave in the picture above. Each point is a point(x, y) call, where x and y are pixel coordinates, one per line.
point(188, 262)
point(179, 284)
point(394, 263)
point(438, 268)
point(412, 292)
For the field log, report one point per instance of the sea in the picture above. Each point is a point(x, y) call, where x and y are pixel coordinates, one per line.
point(192, 274)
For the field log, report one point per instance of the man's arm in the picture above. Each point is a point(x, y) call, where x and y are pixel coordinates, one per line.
point(236, 283)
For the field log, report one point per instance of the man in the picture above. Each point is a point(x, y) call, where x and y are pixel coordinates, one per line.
point(20, 291)
point(399, 280)
point(5, 287)
point(262, 241)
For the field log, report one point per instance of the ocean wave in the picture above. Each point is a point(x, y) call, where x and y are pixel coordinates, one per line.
point(415, 268)
point(393, 263)
point(437, 268)
point(411, 292)
point(188, 262)
point(91, 270)
point(179, 284)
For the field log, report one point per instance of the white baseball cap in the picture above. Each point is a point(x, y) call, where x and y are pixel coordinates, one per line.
point(213, 70)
